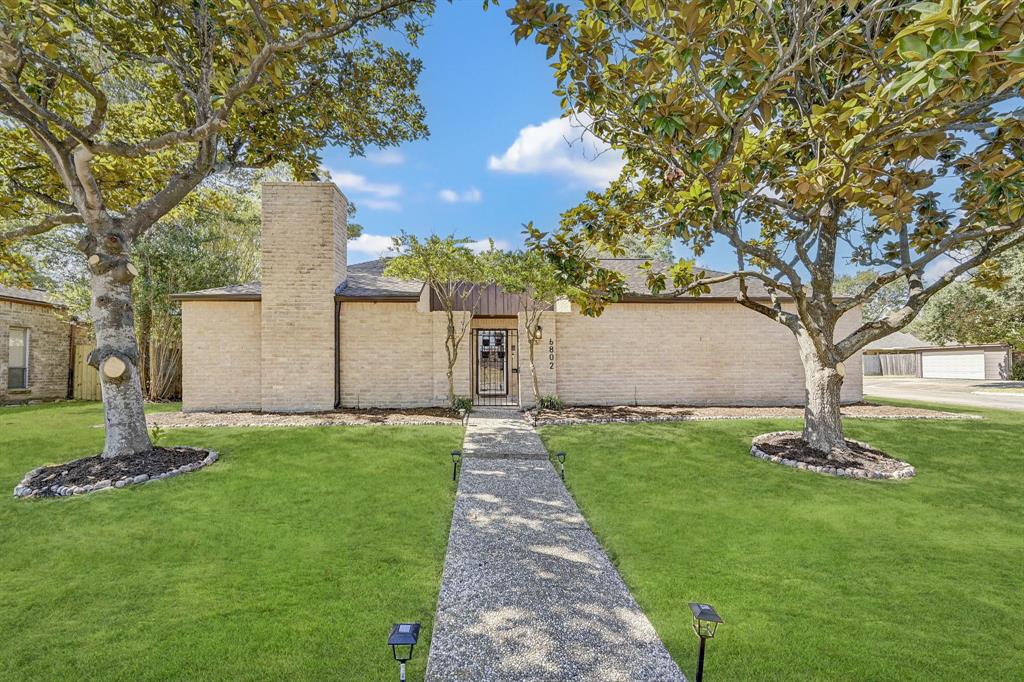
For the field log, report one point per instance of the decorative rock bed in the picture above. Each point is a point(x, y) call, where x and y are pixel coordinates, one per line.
point(91, 474)
point(629, 414)
point(893, 468)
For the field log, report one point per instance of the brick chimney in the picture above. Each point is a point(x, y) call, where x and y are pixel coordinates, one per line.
point(304, 260)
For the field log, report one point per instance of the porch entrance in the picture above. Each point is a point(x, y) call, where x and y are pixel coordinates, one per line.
point(496, 367)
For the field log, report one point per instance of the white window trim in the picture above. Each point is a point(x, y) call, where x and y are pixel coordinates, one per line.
point(27, 358)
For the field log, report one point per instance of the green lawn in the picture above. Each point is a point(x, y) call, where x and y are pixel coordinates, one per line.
point(817, 578)
point(288, 559)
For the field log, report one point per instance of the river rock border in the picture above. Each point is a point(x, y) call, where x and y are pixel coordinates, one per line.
point(24, 489)
point(905, 471)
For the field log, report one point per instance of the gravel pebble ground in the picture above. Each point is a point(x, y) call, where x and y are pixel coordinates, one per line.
point(527, 592)
point(656, 413)
point(337, 418)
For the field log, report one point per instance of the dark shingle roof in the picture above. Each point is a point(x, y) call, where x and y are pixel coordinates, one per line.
point(37, 296)
point(367, 280)
point(234, 292)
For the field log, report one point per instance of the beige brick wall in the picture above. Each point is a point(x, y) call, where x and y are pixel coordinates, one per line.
point(220, 355)
point(304, 259)
point(387, 355)
point(48, 361)
point(696, 353)
point(545, 355)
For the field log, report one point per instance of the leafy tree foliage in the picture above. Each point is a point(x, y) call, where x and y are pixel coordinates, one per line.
point(795, 131)
point(454, 275)
point(965, 312)
point(542, 285)
point(114, 112)
point(884, 302)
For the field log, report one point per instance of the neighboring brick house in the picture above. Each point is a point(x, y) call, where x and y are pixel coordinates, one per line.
point(36, 342)
point(319, 333)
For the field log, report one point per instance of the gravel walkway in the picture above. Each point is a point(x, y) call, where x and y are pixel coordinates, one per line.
point(527, 592)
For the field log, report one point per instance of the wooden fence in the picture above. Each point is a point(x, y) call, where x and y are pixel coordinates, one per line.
point(87, 379)
point(86, 385)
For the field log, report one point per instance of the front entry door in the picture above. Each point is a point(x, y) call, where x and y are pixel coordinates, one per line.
point(496, 370)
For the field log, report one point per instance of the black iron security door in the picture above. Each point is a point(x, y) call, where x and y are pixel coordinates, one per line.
point(496, 367)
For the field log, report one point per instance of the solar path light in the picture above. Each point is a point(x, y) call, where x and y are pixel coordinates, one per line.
point(456, 458)
point(705, 622)
point(402, 641)
point(561, 461)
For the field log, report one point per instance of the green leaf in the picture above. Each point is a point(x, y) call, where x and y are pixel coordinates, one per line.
point(912, 48)
point(1016, 56)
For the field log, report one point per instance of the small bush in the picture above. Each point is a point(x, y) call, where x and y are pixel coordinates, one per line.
point(462, 403)
point(1017, 374)
point(551, 402)
point(155, 434)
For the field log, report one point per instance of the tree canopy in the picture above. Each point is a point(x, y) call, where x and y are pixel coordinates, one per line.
point(884, 132)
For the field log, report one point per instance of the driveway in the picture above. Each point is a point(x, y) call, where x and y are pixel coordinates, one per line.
point(971, 392)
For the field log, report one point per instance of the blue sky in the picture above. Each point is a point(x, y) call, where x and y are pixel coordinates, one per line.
point(483, 171)
point(497, 155)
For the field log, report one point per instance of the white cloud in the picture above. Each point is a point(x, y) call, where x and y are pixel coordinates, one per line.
point(358, 184)
point(387, 157)
point(451, 196)
point(561, 146)
point(368, 246)
point(484, 244)
point(379, 204)
point(941, 265)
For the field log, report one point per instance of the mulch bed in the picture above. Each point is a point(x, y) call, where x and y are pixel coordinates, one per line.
point(856, 460)
point(90, 474)
point(603, 414)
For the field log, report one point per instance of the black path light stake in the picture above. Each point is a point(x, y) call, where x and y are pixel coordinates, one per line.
point(456, 458)
point(561, 461)
point(705, 622)
point(402, 641)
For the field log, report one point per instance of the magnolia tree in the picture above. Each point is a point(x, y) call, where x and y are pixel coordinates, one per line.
point(455, 277)
point(541, 284)
point(112, 113)
point(884, 132)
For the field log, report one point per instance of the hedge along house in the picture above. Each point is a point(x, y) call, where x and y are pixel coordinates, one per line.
point(318, 333)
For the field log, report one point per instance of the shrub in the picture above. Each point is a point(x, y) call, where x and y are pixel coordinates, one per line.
point(1017, 373)
point(551, 402)
point(462, 403)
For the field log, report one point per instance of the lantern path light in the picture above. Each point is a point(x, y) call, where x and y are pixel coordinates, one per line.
point(705, 622)
point(402, 641)
point(456, 459)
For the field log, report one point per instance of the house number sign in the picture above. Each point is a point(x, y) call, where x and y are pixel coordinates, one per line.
point(551, 353)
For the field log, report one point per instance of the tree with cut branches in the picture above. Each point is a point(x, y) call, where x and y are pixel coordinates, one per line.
point(453, 275)
point(112, 113)
point(885, 132)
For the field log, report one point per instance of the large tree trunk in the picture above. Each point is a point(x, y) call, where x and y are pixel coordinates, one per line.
point(117, 353)
point(823, 425)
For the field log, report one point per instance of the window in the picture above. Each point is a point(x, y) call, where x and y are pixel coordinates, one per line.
point(17, 358)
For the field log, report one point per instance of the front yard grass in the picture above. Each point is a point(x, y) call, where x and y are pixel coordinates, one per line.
point(288, 559)
point(817, 577)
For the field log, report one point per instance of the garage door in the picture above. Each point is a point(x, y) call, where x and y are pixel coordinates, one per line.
point(965, 365)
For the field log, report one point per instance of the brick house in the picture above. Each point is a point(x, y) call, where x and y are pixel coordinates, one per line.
point(37, 347)
point(318, 333)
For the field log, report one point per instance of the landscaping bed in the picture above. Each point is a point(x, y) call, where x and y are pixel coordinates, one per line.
point(859, 460)
point(426, 415)
point(91, 474)
point(669, 413)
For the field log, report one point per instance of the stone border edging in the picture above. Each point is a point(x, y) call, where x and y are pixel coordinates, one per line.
point(24, 490)
point(907, 471)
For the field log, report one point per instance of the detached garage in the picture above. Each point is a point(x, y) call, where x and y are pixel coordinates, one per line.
point(902, 354)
